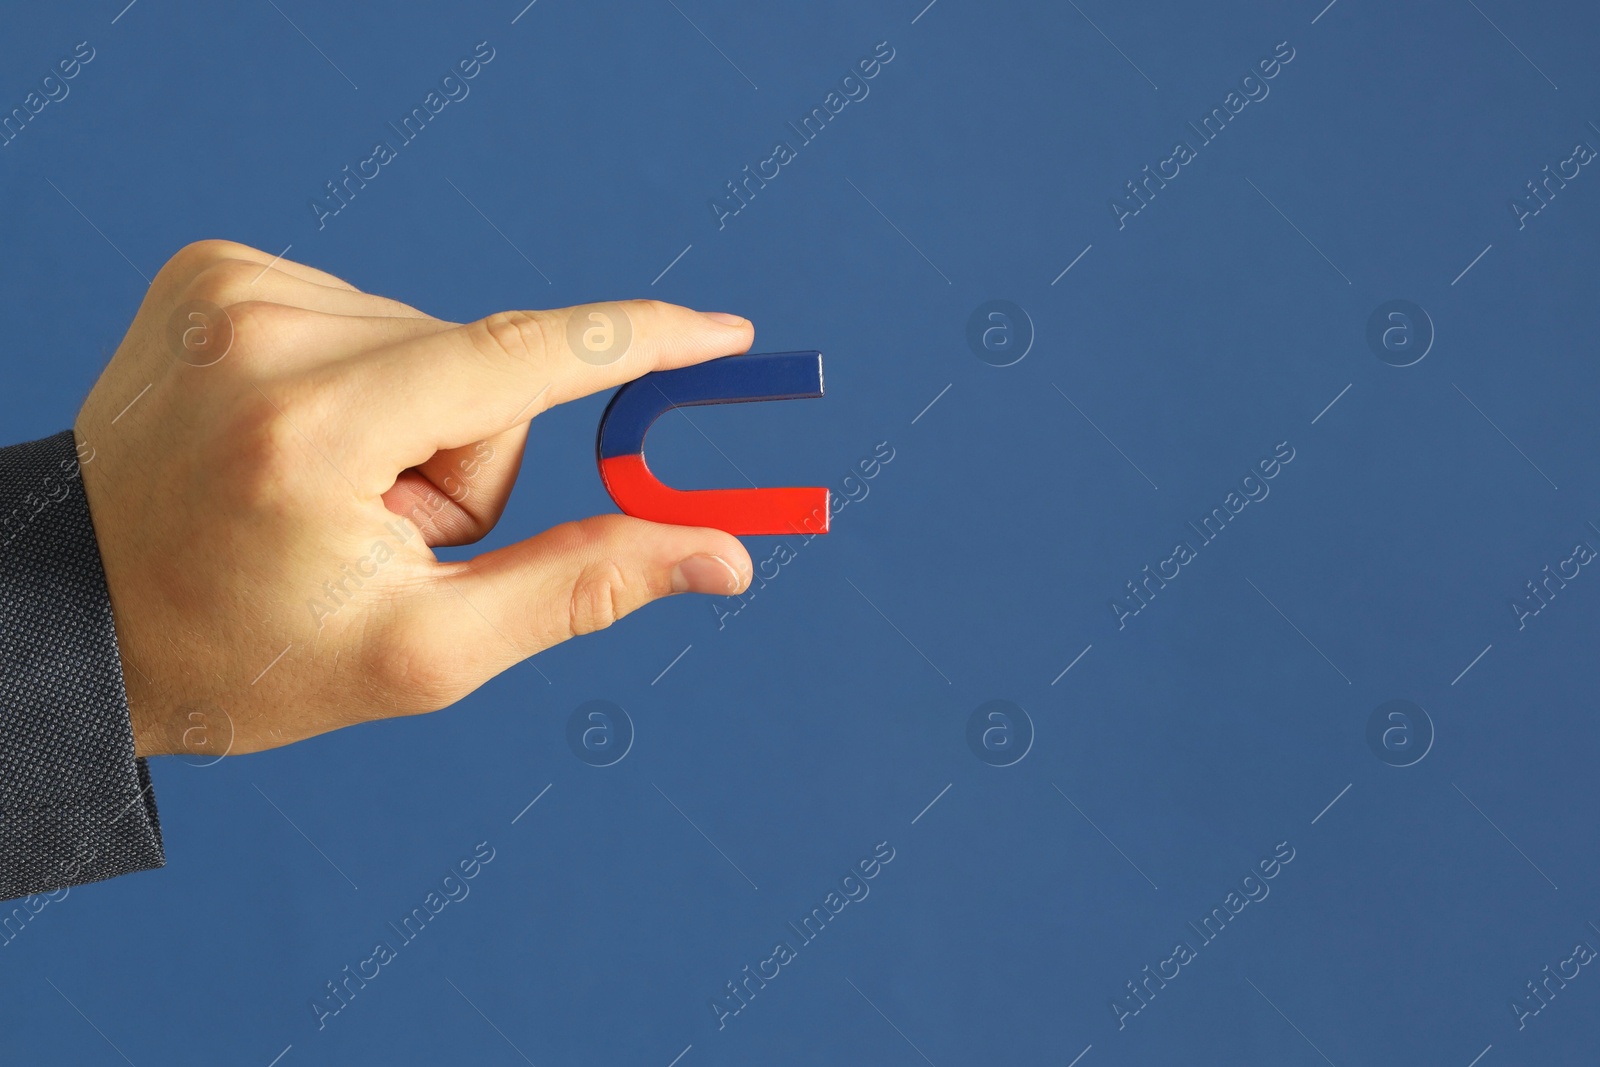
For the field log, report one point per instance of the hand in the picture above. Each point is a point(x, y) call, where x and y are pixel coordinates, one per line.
point(269, 479)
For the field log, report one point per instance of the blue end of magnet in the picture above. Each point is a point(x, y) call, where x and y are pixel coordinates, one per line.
point(730, 380)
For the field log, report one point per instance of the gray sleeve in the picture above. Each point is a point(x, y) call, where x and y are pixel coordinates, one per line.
point(75, 805)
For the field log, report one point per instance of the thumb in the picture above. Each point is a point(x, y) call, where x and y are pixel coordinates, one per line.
point(583, 576)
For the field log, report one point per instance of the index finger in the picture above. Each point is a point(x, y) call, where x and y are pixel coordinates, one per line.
point(464, 384)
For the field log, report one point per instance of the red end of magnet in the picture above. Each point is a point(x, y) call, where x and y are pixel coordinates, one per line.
point(802, 510)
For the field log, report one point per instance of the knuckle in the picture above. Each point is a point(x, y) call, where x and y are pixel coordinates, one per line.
point(600, 597)
point(196, 256)
point(255, 324)
point(244, 340)
point(521, 335)
point(256, 328)
point(222, 281)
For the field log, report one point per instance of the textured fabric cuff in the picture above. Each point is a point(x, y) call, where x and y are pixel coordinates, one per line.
point(75, 805)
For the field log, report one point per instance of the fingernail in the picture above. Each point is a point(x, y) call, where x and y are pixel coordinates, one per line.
point(705, 574)
point(724, 318)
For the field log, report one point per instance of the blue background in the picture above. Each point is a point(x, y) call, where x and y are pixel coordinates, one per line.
point(826, 715)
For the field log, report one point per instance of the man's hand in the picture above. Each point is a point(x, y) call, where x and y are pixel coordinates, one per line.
point(269, 457)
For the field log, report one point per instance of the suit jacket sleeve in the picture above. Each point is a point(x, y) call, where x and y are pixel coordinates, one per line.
point(75, 805)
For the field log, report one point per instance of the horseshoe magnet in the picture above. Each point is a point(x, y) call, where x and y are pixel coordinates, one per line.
point(730, 380)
